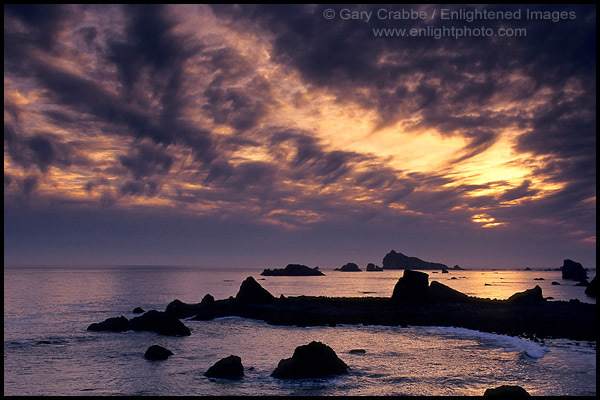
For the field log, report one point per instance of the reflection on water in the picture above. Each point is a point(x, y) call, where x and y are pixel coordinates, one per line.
point(47, 350)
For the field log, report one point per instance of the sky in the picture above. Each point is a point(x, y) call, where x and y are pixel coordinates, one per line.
point(262, 135)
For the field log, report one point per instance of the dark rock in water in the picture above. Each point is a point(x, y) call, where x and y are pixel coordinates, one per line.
point(293, 270)
point(538, 279)
point(507, 391)
point(393, 260)
point(412, 287)
point(116, 324)
point(444, 271)
point(44, 342)
point(229, 367)
point(156, 352)
point(251, 292)
point(138, 310)
point(441, 292)
point(153, 321)
point(555, 283)
point(314, 360)
point(529, 296)
point(573, 270)
point(592, 288)
point(159, 322)
point(457, 267)
point(582, 283)
point(373, 267)
point(527, 269)
point(357, 351)
point(350, 267)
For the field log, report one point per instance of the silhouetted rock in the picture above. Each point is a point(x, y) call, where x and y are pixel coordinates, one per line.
point(457, 267)
point(251, 292)
point(527, 269)
point(538, 279)
point(529, 296)
point(357, 351)
point(207, 300)
point(444, 271)
point(373, 267)
point(592, 288)
point(393, 260)
point(293, 270)
point(507, 391)
point(156, 352)
point(441, 292)
point(116, 324)
point(159, 322)
point(555, 283)
point(138, 310)
point(153, 321)
point(229, 367)
point(573, 270)
point(314, 360)
point(350, 267)
point(412, 287)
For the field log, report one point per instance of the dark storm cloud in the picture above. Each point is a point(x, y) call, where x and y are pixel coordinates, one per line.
point(145, 159)
point(44, 21)
point(450, 82)
point(42, 150)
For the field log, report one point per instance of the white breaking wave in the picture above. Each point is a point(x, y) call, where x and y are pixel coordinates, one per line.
point(508, 343)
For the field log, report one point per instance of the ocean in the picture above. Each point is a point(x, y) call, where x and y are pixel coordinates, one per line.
point(48, 351)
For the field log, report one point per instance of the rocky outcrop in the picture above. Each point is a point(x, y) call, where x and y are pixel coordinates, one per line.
point(293, 270)
point(156, 353)
point(592, 288)
point(116, 324)
point(350, 267)
point(507, 391)
point(412, 287)
point(573, 270)
point(153, 321)
point(314, 360)
point(373, 267)
point(229, 368)
point(439, 292)
point(138, 310)
point(251, 292)
point(393, 260)
point(529, 296)
point(433, 305)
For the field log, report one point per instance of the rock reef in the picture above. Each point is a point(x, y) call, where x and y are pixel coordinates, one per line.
point(525, 313)
point(152, 321)
point(414, 302)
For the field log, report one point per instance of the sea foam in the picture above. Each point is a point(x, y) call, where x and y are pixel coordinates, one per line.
point(508, 343)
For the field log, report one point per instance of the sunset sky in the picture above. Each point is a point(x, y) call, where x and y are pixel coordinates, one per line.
point(267, 135)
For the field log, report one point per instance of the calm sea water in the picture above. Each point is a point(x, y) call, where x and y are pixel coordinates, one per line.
point(48, 351)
